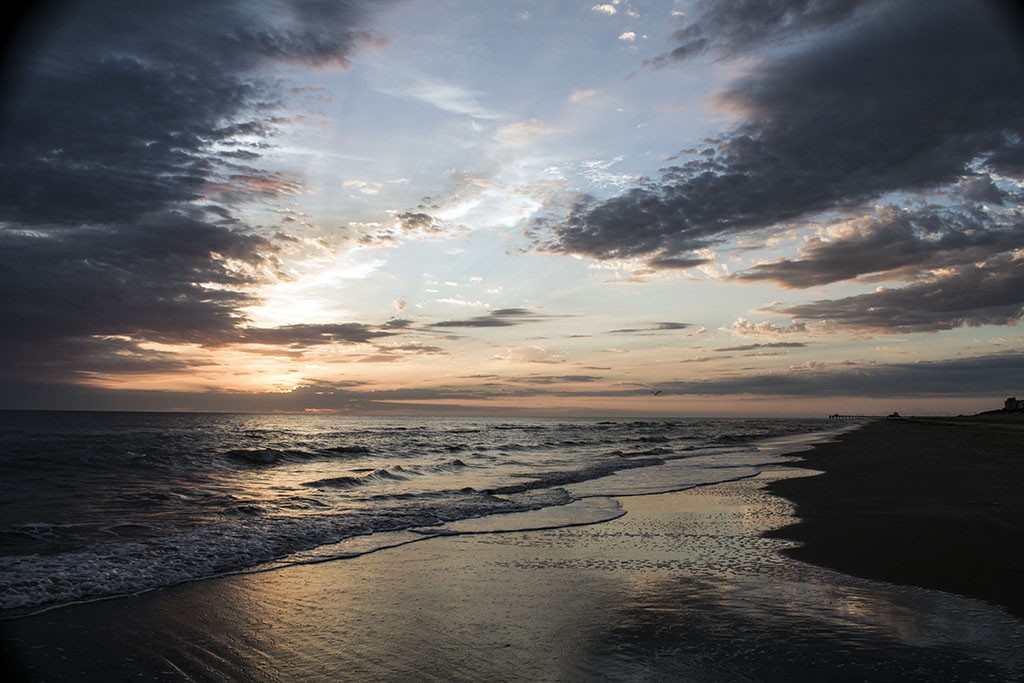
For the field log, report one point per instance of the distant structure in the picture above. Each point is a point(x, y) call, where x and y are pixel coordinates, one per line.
point(840, 416)
point(1013, 403)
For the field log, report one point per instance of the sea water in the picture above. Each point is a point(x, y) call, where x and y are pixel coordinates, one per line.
point(95, 505)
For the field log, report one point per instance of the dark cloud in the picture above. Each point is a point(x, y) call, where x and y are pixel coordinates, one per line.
point(303, 336)
point(552, 379)
point(415, 221)
point(79, 150)
point(347, 396)
point(51, 360)
point(393, 353)
point(894, 241)
point(502, 317)
point(118, 108)
point(294, 340)
point(993, 375)
point(982, 189)
point(991, 293)
point(397, 324)
point(168, 278)
point(130, 133)
point(730, 27)
point(676, 262)
point(655, 327)
point(513, 312)
point(916, 97)
point(769, 345)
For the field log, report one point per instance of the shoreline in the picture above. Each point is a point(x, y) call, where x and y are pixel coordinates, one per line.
point(935, 503)
point(500, 521)
point(697, 584)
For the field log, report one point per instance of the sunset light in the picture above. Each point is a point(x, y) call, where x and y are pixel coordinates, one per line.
point(415, 204)
point(512, 340)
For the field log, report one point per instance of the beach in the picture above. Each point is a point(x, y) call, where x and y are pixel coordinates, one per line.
point(705, 584)
point(935, 503)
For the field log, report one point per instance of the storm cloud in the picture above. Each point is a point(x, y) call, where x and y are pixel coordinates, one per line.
point(122, 109)
point(984, 376)
point(304, 336)
point(894, 242)
point(902, 102)
point(129, 136)
point(908, 102)
point(729, 27)
point(166, 278)
point(991, 293)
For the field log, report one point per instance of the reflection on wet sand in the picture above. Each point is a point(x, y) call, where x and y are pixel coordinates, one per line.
point(684, 587)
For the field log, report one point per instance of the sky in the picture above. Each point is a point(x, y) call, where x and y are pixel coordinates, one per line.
point(525, 207)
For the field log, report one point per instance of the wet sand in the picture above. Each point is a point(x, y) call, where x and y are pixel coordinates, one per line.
point(933, 503)
point(686, 586)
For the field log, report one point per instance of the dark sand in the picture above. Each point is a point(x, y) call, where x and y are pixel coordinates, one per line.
point(687, 586)
point(933, 503)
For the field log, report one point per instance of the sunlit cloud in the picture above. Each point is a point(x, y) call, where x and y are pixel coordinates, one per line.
point(530, 354)
point(298, 205)
point(523, 133)
point(745, 328)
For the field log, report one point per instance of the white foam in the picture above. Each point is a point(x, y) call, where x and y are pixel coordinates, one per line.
point(578, 513)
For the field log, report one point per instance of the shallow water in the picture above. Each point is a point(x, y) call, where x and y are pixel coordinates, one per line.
point(94, 505)
point(683, 587)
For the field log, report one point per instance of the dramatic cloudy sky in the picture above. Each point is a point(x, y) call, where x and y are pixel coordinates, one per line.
point(408, 206)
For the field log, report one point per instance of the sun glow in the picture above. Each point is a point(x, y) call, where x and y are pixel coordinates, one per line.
point(314, 294)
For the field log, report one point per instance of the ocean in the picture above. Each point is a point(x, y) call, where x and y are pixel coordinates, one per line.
point(95, 505)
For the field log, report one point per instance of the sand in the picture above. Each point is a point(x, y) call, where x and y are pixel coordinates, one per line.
point(686, 586)
point(934, 503)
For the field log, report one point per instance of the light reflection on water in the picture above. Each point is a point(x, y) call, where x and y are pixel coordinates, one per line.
point(684, 587)
point(117, 503)
point(755, 613)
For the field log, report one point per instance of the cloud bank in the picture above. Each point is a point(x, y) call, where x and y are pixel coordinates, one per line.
point(130, 134)
point(912, 106)
point(983, 376)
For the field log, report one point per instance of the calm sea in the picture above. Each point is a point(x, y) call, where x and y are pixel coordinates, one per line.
point(94, 505)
